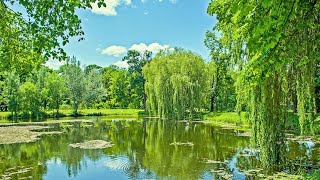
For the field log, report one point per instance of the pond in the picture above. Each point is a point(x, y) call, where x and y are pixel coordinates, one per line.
point(144, 149)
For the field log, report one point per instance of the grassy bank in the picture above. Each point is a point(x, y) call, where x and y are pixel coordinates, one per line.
point(85, 112)
point(100, 112)
point(228, 120)
point(226, 117)
point(292, 124)
point(231, 118)
point(4, 115)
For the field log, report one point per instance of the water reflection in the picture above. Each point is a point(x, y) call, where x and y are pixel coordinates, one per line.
point(143, 149)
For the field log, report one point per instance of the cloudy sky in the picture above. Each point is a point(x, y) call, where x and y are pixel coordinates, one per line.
point(141, 25)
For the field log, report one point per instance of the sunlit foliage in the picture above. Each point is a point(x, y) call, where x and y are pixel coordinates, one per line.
point(177, 84)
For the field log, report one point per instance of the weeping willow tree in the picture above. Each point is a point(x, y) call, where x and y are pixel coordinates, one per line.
point(177, 85)
point(274, 46)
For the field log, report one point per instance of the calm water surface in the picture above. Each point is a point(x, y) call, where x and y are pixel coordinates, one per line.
point(144, 149)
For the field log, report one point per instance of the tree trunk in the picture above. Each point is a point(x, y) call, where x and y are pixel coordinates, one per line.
point(294, 103)
point(212, 104)
point(144, 96)
point(212, 99)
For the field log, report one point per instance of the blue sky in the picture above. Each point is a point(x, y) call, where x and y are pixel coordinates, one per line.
point(126, 24)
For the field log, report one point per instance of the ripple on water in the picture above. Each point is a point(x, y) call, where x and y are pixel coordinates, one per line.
point(123, 165)
point(117, 163)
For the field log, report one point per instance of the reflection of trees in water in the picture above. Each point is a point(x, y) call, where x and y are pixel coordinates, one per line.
point(19, 158)
point(52, 147)
point(146, 145)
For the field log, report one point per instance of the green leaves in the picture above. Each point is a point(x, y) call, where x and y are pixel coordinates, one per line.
point(75, 81)
point(275, 36)
point(102, 3)
point(47, 25)
point(177, 85)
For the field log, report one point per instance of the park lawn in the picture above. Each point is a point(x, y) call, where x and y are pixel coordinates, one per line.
point(134, 112)
point(86, 112)
point(226, 117)
point(101, 112)
point(4, 115)
point(232, 118)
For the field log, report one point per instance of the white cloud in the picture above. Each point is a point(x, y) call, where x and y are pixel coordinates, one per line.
point(154, 47)
point(54, 64)
point(173, 1)
point(119, 51)
point(121, 64)
point(115, 51)
point(110, 9)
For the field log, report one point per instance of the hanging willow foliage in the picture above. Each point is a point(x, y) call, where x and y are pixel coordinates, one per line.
point(306, 96)
point(280, 40)
point(177, 85)
point(268, 115)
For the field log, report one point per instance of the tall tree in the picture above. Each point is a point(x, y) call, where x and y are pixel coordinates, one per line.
point(266, 38)
point(50, 24)
point(11, 91)
point(91, 67)
point(56, 90)
point(177, 85)
point(222, 72)
point(136, 61)
point(29, 101)
point(119, 92)
point(75, 81)
point(94, 87)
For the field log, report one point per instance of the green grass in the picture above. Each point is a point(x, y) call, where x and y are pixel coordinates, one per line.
point(100, 112)
point(4, 115)
point(87, 112)
point(132, 112)
point(292, 123)
point(226, 117)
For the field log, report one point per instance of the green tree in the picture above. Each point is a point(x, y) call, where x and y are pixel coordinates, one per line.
point(94, 87)
point(265, 39)
point(223, 97)
point(75, 81)
point(38, 77)
point(11, 91)
point(16, 51)
point(119, 85)
point(136, 61)
point(177, 84)
point(49, 24)
point(56, 90)
point(91, 67)
point(28, 93)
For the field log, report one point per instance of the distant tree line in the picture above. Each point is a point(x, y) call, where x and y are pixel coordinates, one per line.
point(191, 85)
point(91, 86)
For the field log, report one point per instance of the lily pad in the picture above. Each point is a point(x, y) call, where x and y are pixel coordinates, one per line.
point(92, 144)
point(182, 143)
